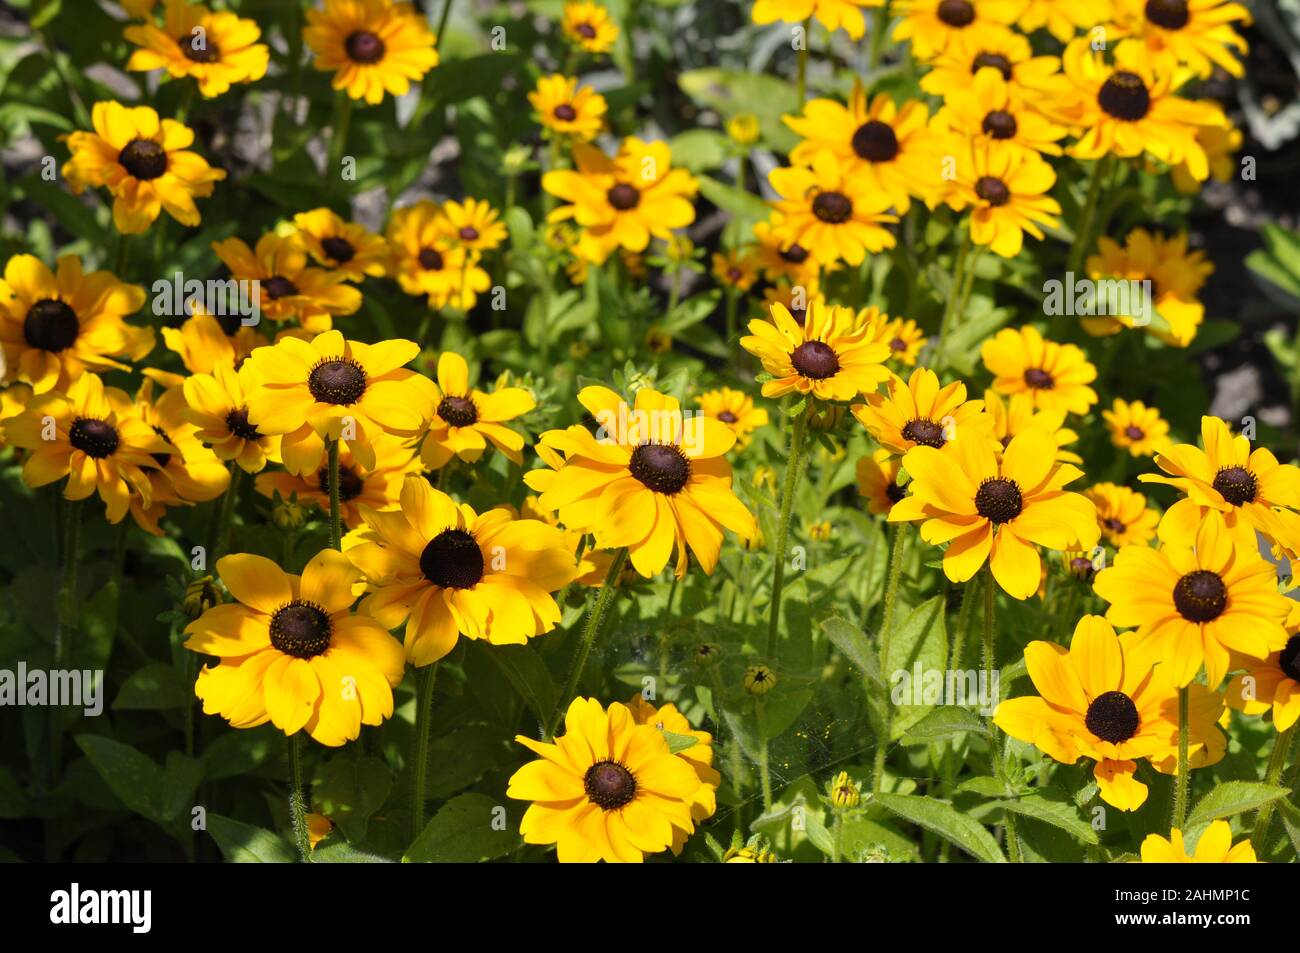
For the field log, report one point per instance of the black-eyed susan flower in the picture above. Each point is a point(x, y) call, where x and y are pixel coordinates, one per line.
point(1272, 684)
point(335, 389)
point(1123, 515)
point(830, 355)
point(832, 14)
point(996, 510)
point(56, 326)
point(203, 341)
point(877, 478)
point(989, 45)
point(1103, 700)
point(465, 419)
point(1214, 847)
point(699, 756)
point(782, 260)
point(1005, 188)
point(607, 789)
point(919, 412)
point(905, 339)
point(1227, 476)
point(348, 248)
point(1195, 33)
point(473, 224)
point(427, 262)
point(216, 49)
point(1137, 428)
point(759, 680)
point(734, 408)
point(566, 109)
point(1017, 413)
point(993, 109)
point(1176, 277)
point(931, 25)
point(588, 26)
point(735, 269)
point(624, 201)
point(652, 479)
point(1062, 18)
point(377, 488)
point(290, 651)
point(144, 162)
point(1055, 375)
point(289, 287)
point(372, 47)
point(446, 571)
point(1195, 603)
point(94, 436)
point(884, 148)
point(830, 213)
point(218, 408)
point(13, 401)
point(1221, 143)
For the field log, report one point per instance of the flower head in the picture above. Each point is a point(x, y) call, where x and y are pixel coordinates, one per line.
point(348, 248)
point(372, 47)
point(1137, 428)
point(919, 412)
point(215, 49)
point(830, 355)
point(290, 288)
point(1056, 376)
point(465, 419)
point(1214, 847)
point(566, 109)
point(589, 27)
point(829, 212)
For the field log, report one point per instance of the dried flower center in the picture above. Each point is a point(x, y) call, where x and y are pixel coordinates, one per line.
point(1237, 485)
point(50, 325)
point(338, 381)
point(452, 560)
point(468, 234)
point(1200, 596)
point(796, 254)
point(586, 31)
point(143, 158)
point(238, 425)
point(609, 785)
point(875, 141)
point(565, 113)
point(350, 482)
point(1113, 717)
point(832, 208)
point(660, 467)
point(364, 47)
point(1124, 96)
point(338, 249)
point(430, 259)
point(1289, 658)
point(815, 360)
point(1039, 379)
point(992, 190)
point(1170, 14)
point(458, 411)
point(94, 438)
point(999, 124)
point(897, 344)
point(925, 432)
point(957, 13)
point(278, 286)
point(623, 196)
point(996, 60)
point(199, 49)
point(998, 500)
point(727, 417)
point(301, 629)
point(1134, 433)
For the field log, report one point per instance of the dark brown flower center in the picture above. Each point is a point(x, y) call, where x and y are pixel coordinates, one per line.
point(458, 411)
point(897, 344)
point(832, 207)
point(452, 560)
point(200, 49)
point(796, 254)
point(50, 325)
point(1081, 567)
point(957, 13)
point(1039, 379)
point(894, 492)
point(1125, 96)
point(1200, 596)
point(925, 432)
point(660, 467)
point(1170, 14)
point(1237, 485)
point(1289, 659)
point(623, 196)
point(998, 500)
point(996, 60)
point(301, 629)
point(815, 360)
point(94, 438)
point(609, 785)
point(338, 381)
point(992, 190)
point(338, 249)
point(1134, 433)
point(727, 417)
point(586, 31)
point(1113, 717)
point(1114, 525)
point(468, 234)
point(565, 113)
point(278, 286)
point(350, 482)
point(875, 141)
point(143, 158)
point(999, 124)
point(238, 425)
point(430, 259)
point(364, 47)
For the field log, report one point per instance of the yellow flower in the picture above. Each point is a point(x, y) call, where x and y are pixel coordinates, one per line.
point(13, 401)
point(348, 248)
point(1063, 18)
point(1123, 515)
point(883, 148)
point(992, 109)
point(289, 288)
point(877, 477)
point(1176, 276)
point(427, 262)
point(1193, 604)
point(735, 269)
point(1214, 847)
point(829, 356)
point(783, 260)
point(994, 510)
point(94, 436)
point(55, 327)
point(844, 792)
point(699, 756)
point(144, 162)
point(203, 341)
point(607, 789)
point(1221, 143)
point(1005, 186)
point(932, 25)
point(830, 213)
point(734, 408)
point(1055, 375)
point(1195, 33)
point(216, 49)
point(904, 338)
point(821, 530)
point(994, 45)
point(318, 828)
point(832, 14)
point(1104, 701)
point(188, 472)
point(589, 27)
point(448, 571)
point(377, 487)
point(1017, 413)
point(652, 479)
point(1245, 485)
point(334, 389)
point(371, 46)
point(1273, 683)
point(622, 202)
point(1136, 427)
point(566, 109)
point(466, 420)
point(743, 129)
point(291, 652)
point(919, 412)
point(1130, 107)
point(473, 225)
point(218, 407)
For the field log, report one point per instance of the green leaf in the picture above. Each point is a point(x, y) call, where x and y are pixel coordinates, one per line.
point(349, 790)
point(918, 642)
point(155, 687)
point(1059, 814)
point(945, 821)
point(853, 644)
point(732, 92)
point(240, 751)
point(743, 205)
point(1233, 797)
point(242, 843)
point(133, 776)
point(943, 723)
point(699, 150)
point(468, 828)
point(526, 672)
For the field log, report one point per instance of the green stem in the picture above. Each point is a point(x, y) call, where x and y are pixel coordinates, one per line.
point(64, 623)
point(603, 600)
point(878, 35)
point(731, 320)
point(803, 62)
point(336, 522)
point(792, 472)
point(837, 838)
point(665, 638)
point(220, 531)
point(442, 23)
point(119, 267)
point(764, 758)
point(338, 140)
point(896, 547)
point(297, 800)
point(946, 324)
point(420, 745)
point(997, 743)
point(1182, 779)
point(1273, 775)
point(1080, 244)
